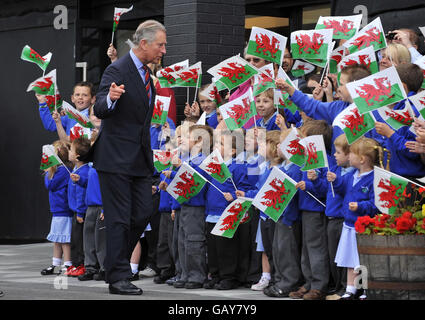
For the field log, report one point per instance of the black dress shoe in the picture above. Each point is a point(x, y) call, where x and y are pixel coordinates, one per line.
point(227, 285)
point(211, 283)
point(161, 278)
point(124, 287)
point(48, 271)
point(193, 285)
point(134, 277)
point(275, 292)
point(88, 275)
point(99, 276)
point(179, 284)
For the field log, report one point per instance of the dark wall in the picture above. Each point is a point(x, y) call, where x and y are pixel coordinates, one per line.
point(25, 208)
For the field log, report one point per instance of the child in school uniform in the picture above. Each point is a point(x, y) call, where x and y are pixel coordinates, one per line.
point(56, 181)
point(77, 187)
point(191, 241)
point(224, 264)
point(287, 239)
point(266, 109)
point(359, 200)
point(209, 107)
point(265, 231)
point(314, 261)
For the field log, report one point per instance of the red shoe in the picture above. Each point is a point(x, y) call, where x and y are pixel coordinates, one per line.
point(80, 270)
point(69, 270)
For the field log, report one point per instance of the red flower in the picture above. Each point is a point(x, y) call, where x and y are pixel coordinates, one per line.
point(362, 223)
point(423, 224)
point(405, 223)
point(381, 220)
point(407, 215)
point(421, 189)
point(405, 194)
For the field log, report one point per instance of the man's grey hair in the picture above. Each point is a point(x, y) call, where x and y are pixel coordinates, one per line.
point(147, 31)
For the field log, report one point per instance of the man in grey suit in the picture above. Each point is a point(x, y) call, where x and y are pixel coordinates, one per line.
point(122, 154)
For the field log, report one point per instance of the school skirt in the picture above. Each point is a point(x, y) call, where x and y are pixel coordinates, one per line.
point(60, 230)
point(347, 255)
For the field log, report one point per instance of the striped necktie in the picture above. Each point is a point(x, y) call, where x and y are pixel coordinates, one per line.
point(147, 81)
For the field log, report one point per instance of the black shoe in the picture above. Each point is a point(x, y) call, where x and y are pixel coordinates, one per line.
point(211, 283)
point(88, 275)
point(100, 276)
point(275, 292)
point(134, 277)
point(48, 271)
point(1, 293)
point(124, 287)
point(161, 279)
point(193, 285)
point(179, 284)
point(227, 285)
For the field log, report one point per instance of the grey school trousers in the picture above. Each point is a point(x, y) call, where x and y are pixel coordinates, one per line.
point(175, 245)
point(339, 274)
point(192, 244)
point(94, 235)
point(315, 257)
point(287, 256)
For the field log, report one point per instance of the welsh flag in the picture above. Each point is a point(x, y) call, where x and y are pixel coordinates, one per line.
point(267, 45)
point(231, 217)
point(214, 165)
point(419, 102)
point(211, 92)
point(322, 62)
point(354, 124)
point(117, 15)
point(73, 113)
point(162, 159)
point(45, 84)
point(311, 44)
point(160, 109)
point(421, 63)
point(371, 35)
point(398, 118)
point(301, 68)
point(335, 58)
point(28, 54)
point(189, 77)
point(186, 184)
point(344, 27)
point(51, 101)
point(49, 157)
point(388, 188)
point(377, 90)
point(219, 85)
point(78, 131)
point(282, 101)
point(292, 149)
point(264, 80)
point(166, 76)
point(315, 153)
point(233, 71)
point(365, 57)
point(276, 194)
point(237, 112)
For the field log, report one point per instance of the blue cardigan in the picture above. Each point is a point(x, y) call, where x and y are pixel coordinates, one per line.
point(93, 195)
point(77, 191)
point(58, 192)
point(362, 193)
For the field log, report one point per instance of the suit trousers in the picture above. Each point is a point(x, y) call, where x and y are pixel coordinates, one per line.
point(127, 205)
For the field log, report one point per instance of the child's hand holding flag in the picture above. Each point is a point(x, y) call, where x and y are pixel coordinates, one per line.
point(281, 84)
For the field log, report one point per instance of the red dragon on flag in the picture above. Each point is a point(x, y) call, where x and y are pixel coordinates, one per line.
point(274, 197)
point(372, 35)
point(44, 84)
point(354, 121)
point(215, 168)
point(311, 153)
point(34, 55)
point(187, 76)
point(404, 118)
point(369, 92)
point(363, 60)
point(238, 112)
point(388, 196)
point(233, 71)
point(265, 45)
point(296, 148)
point(183, 187)
point(336, 25)
point(306, 43)
point(230, 221)
point(166, 73)
point(157, 110)
point(163, 156)
point(75, 133)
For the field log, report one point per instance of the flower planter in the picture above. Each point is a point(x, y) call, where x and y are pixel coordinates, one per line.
point(395, 266)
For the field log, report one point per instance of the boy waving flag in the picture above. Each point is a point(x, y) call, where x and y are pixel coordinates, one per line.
point(267, 45)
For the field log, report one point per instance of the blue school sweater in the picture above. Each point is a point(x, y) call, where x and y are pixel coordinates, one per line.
point(216, 203)
point(211, 119)
point(93, 195)
point(77, 191)
point(58, 192)
point(269, 124)
point(50, 125)
point(362, 193)
point(164, 197)
point(292, 212)
point(156, 134)
point(334, 204)
point(252, 166)
point(200, 198)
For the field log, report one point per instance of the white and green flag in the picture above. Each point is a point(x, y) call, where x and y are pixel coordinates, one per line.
point(29, 54)
point(311, 44)
point(365, 57)
point(231, 217)
point(73, 113)
point(421, 63)
point(49, 158)
point(315, 152)
point(189, 77)
point(371, 35)
point(44, 85)
point(118, 12)
point(335, 58)
point(166, 76)
point(275, 194)
point(160, 109)
point(237, 112)
point(301, 68)
point(78, 131)
point(292, 149)
point(212, 93)
point(264, 80)
point(344, 27)
point(163, 159)
point(214, 165)
point(267, 45)
point(398, 118)
point(418, 101)
point(377, 90)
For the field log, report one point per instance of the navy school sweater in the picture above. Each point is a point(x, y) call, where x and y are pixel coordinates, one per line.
point(292, 212)
point(93, 195)
point(77, 191)
point(58, 192)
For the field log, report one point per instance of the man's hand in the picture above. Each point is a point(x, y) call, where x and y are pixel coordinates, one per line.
point(402, 38)
point(115, 91)
point(154, 189)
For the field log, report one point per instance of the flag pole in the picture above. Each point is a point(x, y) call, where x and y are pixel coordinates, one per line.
point(187, 95)
point(332, 187)
point(215, 187)
point(324, 71)
point(316, 199)
point(196, 90)
point(236, 189)
point(112, 40)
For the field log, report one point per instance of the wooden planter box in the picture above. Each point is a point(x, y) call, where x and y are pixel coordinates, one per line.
point(395, 266)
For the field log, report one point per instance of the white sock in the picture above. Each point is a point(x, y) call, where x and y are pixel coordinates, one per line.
point(67, 263)
point(266, 275)
point(134, 267)
point(351, 289)
point(56, 262)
